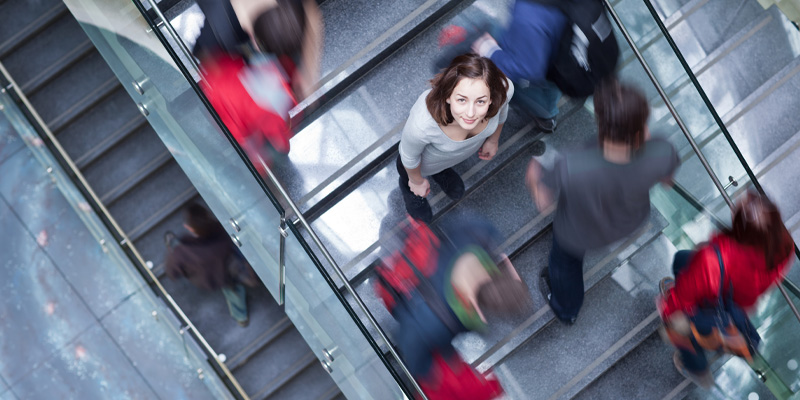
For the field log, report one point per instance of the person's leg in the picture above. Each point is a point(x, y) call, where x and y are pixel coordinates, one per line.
point(541, 100)
point(566, 283)
point(451, 183)
point(236, 297)
point(416, 206)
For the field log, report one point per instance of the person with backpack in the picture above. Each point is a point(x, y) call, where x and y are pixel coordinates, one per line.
point(601, 190)
point(207, 257)
point(550, 47)
point(462, 114)
point(704, 307)
point(439, 286)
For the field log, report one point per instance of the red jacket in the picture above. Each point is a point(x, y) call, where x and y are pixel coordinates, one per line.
point(252, 101)
point(745, 268)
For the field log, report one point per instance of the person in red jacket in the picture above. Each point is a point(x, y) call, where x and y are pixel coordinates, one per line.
point(756, 253)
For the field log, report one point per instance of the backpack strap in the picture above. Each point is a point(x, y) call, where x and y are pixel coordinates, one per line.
point(720, 297)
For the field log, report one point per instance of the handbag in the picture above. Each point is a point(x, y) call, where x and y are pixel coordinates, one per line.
point(722, 326)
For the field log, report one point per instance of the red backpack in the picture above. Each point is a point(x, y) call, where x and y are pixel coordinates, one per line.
point(396, 277)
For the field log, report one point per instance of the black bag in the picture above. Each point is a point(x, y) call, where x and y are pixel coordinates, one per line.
point(588, 50)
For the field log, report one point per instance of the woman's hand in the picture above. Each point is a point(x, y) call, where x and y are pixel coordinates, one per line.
point(488, 150)
point(421, 189)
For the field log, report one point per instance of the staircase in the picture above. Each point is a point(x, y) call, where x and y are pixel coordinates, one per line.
point(377, 60)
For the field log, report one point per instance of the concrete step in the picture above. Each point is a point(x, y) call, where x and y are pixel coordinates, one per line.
point(30, 18)
point(620, 303)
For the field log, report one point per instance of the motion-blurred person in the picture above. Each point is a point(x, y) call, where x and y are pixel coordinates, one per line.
point(291, 30)
point(724, 277)
point(550, 47)
point(437, 288)
point(601, 190)
point(462, 114)
point(207, 257)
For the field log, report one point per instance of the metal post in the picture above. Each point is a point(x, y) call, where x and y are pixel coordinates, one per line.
point(174, 35)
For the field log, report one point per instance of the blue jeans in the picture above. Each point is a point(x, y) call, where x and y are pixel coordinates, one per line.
point(694, 361)
point(540, 99)
point(566, 282)
point(420, 334)
point(235, 296)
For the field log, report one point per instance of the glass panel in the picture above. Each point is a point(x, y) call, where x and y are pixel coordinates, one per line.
point(183, 123)
point(316, 311)
point(176, 350)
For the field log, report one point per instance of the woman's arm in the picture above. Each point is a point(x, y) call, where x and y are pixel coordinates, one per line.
point(306, 81)
point(417, 183)
point(412, 144)
point(490, 145)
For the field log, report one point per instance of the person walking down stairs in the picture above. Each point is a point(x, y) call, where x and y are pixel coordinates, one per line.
point(208, 259)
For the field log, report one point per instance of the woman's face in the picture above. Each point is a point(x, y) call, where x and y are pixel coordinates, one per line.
point(469, 102)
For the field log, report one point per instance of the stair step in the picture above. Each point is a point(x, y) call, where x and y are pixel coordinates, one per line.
point(23, 34)
point(97, 95)
point(289, 373)
point(620, 303)
point(136, 178)
point(352, 57)
point(259, 374)
point(57, 67)
point(174, 205)
point(313, 382)
point(134, 124)
point(257, 345)
point(644, 373)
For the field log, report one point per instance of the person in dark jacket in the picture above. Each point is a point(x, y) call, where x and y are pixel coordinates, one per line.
point(524, 53)
point(206, 257)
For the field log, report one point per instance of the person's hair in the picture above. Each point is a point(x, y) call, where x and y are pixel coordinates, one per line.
point(202, 222)
point(759, 224)
point(465, 66)
point(504, 295)
point(621, 112)
point(280, 30)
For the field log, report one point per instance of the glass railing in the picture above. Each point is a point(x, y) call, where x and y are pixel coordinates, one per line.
point(287, 254)
point(173, 346)
point(262, 222)
point(706, 144)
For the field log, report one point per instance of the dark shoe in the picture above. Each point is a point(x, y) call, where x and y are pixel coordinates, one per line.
point(451, 183)
point(544, 288)
point(416, 206)
point(244, 323)
point(546, 125)
point(703, 379)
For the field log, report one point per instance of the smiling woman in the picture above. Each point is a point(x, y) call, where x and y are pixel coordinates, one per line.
point(463, 113)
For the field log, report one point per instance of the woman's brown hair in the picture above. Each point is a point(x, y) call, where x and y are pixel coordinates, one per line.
point(465, 66)
point(758, 223)
point(621, 112)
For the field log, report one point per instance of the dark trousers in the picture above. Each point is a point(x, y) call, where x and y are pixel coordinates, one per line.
point(566, 282)
point(695, 361)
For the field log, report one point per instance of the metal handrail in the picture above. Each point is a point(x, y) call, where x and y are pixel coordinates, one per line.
point(84, 184)
point(681, 124)
point(284, 194)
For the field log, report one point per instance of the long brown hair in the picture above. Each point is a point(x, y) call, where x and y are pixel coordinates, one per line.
point(757, 222)
point(465, 66)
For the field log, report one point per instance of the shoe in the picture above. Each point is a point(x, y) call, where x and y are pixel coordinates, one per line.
point(665, 285)
point(451, 183)
point(244, 323)
point(704, 379)
point(546, 125)
point(416, 206)
point(544, 288)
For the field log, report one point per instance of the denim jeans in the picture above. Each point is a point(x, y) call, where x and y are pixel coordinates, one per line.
point(566, 282)
point(694, 361)
point(540, 99)
point(236, 298)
